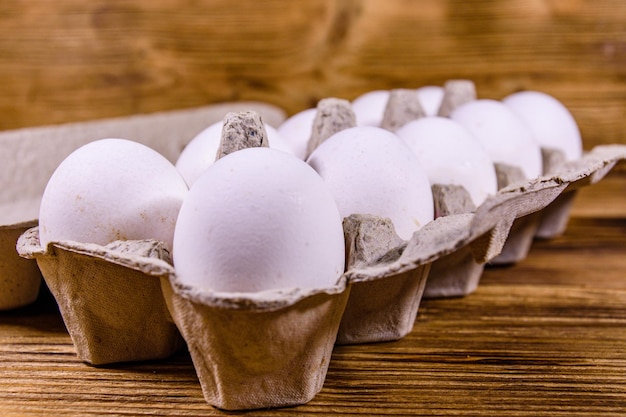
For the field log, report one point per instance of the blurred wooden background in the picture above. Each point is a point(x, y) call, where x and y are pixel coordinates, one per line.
point(70, 60)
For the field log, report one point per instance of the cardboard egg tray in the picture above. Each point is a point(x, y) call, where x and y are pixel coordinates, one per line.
point(272, 348)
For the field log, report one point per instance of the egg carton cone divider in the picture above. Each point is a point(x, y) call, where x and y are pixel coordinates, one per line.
point(555, 216)
point(458, 273)
point(113, 311)
point(524, 228)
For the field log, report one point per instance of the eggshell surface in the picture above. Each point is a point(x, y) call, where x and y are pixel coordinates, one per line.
point(259, 219)
point(201, 151)
point(430, 97)
point(504, 135)
point(111, 189)
point(369, 108)
point(372, 171)
point(550, 121)
point(296, 130)
point(451, 155)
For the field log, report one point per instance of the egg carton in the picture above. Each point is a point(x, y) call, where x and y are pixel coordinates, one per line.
point(273, 348)
point(29, 157)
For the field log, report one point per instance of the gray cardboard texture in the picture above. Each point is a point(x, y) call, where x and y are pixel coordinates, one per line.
point(384, 308)
point(333, 115)
point(402, 107)
point(20, 278)
point(248, 358)
point(235, 131)
point(456, 92)
point(112, 310)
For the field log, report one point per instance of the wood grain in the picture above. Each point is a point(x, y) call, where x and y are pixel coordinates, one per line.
point(544, 337)
point(71, 60)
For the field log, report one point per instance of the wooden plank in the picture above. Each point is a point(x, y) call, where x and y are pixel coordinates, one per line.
point(72, 60)
point(544, 337)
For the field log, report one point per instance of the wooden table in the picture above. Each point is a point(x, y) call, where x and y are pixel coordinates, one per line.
point(544, 337)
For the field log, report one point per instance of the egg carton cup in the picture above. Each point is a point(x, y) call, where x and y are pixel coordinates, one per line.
point(547, 220)
point(551, 219)
point(454, 275)
point(110, 301)
point(520, 240)
point(388, 275)
point(29, 157)
point(459, 272)
point(555, 217)
point(20, 279)
point(258, 350)
point(591, 168)
point(543, 203)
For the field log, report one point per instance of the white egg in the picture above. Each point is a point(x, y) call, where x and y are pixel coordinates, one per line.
point(111, 189)
point(296, 130)
point(200, 152)
point(370, 170)
point(550, 121)
point(430, 97)
point(503, 134)
point(369, 108)
point(451, 155)
point(277, 141)
point(259, 219)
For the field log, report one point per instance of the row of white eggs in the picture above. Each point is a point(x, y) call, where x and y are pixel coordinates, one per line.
point(261, 218)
